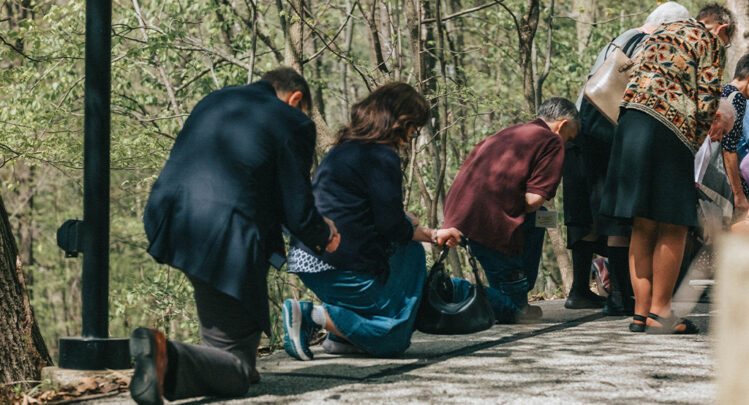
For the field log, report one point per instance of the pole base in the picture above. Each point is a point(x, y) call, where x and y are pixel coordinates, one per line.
point(78, 353)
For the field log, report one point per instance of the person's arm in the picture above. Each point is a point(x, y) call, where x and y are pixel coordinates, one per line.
point(301, 217)
point(740, 203)
point(533, 202)
point(449, 236)
point(708, 84)
point(546, 173)
point(731, 162)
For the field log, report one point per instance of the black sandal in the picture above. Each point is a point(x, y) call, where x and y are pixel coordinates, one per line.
point(669, 324)
point(637, 327)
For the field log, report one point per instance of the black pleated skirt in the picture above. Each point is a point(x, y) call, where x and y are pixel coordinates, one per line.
point(651, 173)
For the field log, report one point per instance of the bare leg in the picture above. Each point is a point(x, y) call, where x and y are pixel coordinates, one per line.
point(641, 249)
point(330, 326)
point(617, 241)
point(669, 251)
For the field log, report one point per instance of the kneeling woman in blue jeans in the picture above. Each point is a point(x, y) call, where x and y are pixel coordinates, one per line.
point(371, 286)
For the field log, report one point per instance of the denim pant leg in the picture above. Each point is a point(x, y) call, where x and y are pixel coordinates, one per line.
point(505, 310)
point(374, 316)
point(504, 272)
point(532, 248)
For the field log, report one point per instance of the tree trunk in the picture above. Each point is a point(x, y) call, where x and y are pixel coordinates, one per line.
point(22, 349)
point(293, 51)
point(526, 34)
point(423, 49)
point(740, 47)
point(584, 12)
point(372, 17)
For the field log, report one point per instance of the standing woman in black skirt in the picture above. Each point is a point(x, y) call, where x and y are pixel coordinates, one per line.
point(666, 113)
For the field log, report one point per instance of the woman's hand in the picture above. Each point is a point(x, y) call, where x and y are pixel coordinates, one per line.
point(448, 236)
point(335, 237)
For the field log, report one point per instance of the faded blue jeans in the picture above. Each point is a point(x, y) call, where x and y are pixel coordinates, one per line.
point(514, 275)
point(379, 317)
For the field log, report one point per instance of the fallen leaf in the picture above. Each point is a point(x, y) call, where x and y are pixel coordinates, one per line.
point(29, 400)
point(86, 385)
point(121, 378)
point(109, 387)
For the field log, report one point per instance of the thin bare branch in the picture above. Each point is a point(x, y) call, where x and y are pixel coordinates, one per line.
point(326, 44)
point(602, 21)
point(330, 46)
point(160, 67)
point(463, 12)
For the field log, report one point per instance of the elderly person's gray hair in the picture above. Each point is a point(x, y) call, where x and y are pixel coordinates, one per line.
point(558, 108)
point(727, 110)
point(724, 120)
point(666, 13)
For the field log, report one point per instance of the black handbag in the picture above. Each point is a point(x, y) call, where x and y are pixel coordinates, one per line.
point(440, 315)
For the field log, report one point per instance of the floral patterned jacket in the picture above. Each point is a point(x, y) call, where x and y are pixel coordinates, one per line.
point(677, 79)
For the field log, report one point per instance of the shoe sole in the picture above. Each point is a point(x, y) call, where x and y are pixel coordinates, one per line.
point(586, 305)
point(144, 386)
point(292, 320)
point(637, 327)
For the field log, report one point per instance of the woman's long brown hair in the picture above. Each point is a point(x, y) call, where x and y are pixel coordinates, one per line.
point(385, 115)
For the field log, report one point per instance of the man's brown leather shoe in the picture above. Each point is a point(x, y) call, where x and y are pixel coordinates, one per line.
point(148, 348)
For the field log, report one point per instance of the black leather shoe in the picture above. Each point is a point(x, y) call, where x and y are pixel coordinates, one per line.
point(583, 301)
point(530, 313)
point(148, 349)
point(618, 306)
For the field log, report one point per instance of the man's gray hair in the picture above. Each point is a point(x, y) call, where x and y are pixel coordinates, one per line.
point(666, 13)
point(558, 108)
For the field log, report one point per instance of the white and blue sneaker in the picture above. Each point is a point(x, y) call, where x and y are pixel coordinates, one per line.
point(298, 328)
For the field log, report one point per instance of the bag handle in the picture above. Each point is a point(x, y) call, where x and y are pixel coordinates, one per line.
point(439, 264)
point(472, 262)
point(632, 43)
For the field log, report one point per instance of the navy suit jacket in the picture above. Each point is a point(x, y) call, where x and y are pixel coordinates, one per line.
point(237, 172)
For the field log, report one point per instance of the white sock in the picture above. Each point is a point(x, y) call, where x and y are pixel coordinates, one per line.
point(333, 347)
point(318, 315)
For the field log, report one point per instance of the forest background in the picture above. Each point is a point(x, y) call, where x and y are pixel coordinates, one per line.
point(483, 64)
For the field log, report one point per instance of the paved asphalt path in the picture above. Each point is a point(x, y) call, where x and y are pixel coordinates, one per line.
point(567, 357)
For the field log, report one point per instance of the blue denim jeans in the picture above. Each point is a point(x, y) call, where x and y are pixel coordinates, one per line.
point(379, 317)
point(375, 316)
point(505, 310)
point(513, 275)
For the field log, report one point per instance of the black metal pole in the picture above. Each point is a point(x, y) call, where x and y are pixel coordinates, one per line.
point(94, 350)
point(95, 279)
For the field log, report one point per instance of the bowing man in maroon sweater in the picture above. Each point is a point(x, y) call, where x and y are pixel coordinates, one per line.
point(503, 182)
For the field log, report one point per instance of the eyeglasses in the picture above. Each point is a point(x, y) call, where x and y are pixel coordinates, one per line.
point(415, 134)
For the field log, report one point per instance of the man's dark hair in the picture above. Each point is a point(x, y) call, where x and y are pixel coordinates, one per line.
point(558, 108)
point(288, 80)
point(719, 15)
point(742, 68)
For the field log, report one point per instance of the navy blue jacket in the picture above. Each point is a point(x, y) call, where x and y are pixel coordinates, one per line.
point(237, 172)
point(359, 186)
